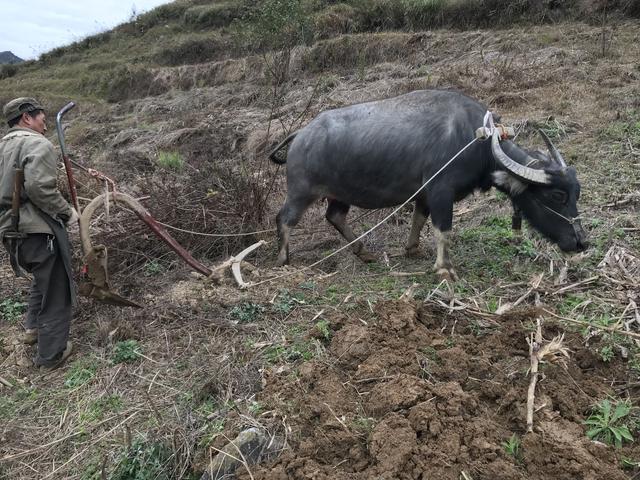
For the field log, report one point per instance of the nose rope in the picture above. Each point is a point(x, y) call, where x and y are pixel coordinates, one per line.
point(572, 220)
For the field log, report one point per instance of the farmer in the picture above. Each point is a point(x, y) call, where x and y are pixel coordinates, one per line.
point(34, 231)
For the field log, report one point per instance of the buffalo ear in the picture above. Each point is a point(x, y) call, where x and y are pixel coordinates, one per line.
point(509, 183)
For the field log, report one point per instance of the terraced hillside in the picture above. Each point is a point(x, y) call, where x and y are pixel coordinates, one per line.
point(355, 371)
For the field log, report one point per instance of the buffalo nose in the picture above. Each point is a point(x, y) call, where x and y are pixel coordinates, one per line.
point(582, 244)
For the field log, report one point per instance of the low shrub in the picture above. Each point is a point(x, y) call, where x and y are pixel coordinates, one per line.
point(212, 16)
point(336, 20)
point(194, 51)
point(376, 15)
point(354, 51)
point(8, 71)
point(170, 12)
point(631, 7)
point(275, 25)
point(126, 82)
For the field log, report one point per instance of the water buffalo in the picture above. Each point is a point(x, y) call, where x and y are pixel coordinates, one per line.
point(377, 154)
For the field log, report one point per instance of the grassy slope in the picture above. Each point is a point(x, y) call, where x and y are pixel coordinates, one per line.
point(206, 348)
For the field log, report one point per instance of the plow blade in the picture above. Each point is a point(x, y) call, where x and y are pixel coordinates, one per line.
point(96, 282)
point(105, 295)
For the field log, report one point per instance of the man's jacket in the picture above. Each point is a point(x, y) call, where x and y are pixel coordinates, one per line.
point(31, 150)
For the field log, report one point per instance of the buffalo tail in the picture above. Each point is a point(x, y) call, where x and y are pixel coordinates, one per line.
point(281, 159)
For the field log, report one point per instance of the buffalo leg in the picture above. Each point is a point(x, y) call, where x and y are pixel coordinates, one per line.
point(287, 218)
point(441, 206)
point(337, 216)
point(516, 222)
point(443, 267)
point(420, 214)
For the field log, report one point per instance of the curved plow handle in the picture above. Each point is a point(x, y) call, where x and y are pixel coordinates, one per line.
point(144, 215)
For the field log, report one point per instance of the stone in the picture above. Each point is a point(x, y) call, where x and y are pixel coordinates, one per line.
point(250, 446)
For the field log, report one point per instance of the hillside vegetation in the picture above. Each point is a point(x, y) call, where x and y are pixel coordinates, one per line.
point(355, 371)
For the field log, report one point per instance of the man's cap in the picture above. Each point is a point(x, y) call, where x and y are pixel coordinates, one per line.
point(18, 106)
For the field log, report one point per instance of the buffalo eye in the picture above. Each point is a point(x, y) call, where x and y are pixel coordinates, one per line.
point(559, 196)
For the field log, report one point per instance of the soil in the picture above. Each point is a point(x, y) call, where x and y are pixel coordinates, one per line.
point(413, 393)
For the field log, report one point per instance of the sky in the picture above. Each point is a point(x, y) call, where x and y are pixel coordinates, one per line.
point(29, 28)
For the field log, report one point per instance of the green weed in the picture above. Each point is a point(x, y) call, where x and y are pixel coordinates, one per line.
point(153, 268)
point(596, 222)
point(289, 354)
point(212, 430)
point(170, 161)
point(627, 130)
point(604, 320)
point(364, 425)
point(628, 463)
point(513, 446)
point(492, 305)
point(308, 285)
point(126, 351)
point(99, 408)
point(7, 407)
point(491, 249)
point(247, 312)
point(26, 394)
point(286, 302)
point(607, 353)
point(323, 327)
point(11, 309)
point(21, 401)
point(634, 364)
point(609, 423)
point(569, 304)
point(480, 329)
point(81, 372)
point(503, 197)
point(526, 248)
point(432, 354)
point(553, 128)
point(255, 408)
point(144, 460)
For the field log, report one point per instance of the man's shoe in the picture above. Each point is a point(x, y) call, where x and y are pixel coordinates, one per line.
point(66, 353)
point(30, 336)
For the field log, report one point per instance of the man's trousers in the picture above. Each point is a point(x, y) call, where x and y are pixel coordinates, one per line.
point(50, 303)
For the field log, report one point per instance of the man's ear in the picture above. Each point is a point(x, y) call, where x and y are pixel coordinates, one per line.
point(24, 119)
point(503, 181)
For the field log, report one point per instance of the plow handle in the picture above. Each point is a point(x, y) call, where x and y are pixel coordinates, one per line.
point(65, 157)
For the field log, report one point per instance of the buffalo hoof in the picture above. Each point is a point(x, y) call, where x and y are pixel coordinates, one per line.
point(413, 252)
point(516, 237)
point(448, 274)
point(282, 262)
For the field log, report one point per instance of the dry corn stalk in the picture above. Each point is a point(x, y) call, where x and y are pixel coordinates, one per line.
point(552, 351)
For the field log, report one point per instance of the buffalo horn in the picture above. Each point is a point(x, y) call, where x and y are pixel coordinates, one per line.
point(530, 175)
point(553, 150)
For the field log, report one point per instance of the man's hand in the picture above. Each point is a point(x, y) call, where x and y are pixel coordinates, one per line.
point(73, 219)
